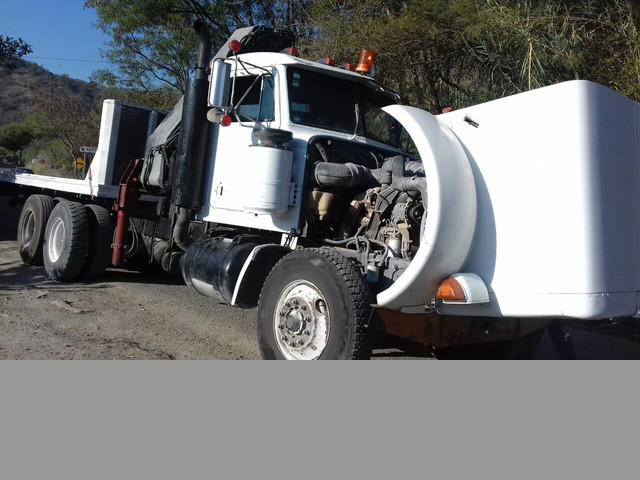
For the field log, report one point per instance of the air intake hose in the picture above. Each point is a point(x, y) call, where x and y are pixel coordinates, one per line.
point(346, 175)
point(349, 175)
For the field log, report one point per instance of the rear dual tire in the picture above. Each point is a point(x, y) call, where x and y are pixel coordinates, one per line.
point(31, 228)
point(66, 242)
point(100, 237)
point(77, 242)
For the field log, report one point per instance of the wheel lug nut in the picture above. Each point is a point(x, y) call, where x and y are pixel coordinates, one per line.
point(307, 319)
point(300, 342)
point(288, 305)
point(292, 344)
point(281, 327)
point(304, 308)
point(296, 302)
point(285, 338)
point(307, 332)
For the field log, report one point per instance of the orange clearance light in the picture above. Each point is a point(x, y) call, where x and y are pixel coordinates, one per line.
point(447, 110)
point(226, 120)
point(235, 46)
point(451, 291)
point(366, 62)
point(291, 51)
point(348, 66)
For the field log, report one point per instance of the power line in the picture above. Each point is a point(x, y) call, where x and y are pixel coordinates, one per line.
point(68, 59)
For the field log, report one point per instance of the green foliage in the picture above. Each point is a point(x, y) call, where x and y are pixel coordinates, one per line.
point(70, 119)
point(10, 47)
point(163, 97)
point(16, 136)
point(456, 53)
point(153, 42)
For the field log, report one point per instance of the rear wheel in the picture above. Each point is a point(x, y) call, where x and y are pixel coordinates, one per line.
point(100, 235)
point(315, 305)
point(66, 241)
point(31, 228)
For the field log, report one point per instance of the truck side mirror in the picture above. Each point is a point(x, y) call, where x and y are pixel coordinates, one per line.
point(219, 84)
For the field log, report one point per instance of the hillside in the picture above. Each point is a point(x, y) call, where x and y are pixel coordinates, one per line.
point(20, 84)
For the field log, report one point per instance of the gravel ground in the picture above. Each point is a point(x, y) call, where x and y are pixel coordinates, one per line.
point(125, 315)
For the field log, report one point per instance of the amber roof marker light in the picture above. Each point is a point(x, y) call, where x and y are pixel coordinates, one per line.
point(365, 64)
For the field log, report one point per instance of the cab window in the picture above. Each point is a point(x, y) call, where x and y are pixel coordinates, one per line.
point(258, 105)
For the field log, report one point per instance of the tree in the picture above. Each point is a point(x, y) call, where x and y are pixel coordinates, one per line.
point(16, 136)
point(436, 53)
point(10, 48)
point(70, 119)
point(456, 53)
point(420, 46)
point(153, 42)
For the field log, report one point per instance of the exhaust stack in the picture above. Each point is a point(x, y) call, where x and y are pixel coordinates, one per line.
point(187, 180)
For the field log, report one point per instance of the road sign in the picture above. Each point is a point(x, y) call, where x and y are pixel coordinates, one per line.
point(79, 163)
point(88, 149)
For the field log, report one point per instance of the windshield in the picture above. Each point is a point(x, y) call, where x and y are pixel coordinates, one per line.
point(341, 105)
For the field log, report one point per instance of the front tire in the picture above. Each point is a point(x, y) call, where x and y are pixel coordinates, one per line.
point(315, 305)
point(66, 241)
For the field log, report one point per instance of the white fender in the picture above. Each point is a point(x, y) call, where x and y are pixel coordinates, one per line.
point(451, 210)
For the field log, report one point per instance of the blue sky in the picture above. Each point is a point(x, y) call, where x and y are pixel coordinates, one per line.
point(59, 29)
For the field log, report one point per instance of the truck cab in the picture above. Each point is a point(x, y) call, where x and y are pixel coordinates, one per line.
point(323, 107)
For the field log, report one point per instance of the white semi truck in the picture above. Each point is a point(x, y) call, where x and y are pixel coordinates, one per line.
point(309, 191)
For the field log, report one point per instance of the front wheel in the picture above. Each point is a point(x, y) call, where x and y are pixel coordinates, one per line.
point(315, 305)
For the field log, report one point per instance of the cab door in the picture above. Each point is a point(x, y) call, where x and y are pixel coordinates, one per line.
point(253, 94)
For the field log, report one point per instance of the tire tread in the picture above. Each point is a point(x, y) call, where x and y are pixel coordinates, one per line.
point(100, 233)
point(42, 206)
point(76, 255)
point(358, 290)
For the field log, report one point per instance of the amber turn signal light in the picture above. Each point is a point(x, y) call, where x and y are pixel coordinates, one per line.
point(451, 291)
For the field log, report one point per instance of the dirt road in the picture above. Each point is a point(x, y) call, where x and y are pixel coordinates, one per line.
point(125, 315)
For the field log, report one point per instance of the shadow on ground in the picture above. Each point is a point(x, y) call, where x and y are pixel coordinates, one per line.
point(9, 217)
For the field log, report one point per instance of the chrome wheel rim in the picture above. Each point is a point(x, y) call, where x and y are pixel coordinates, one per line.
point(56, 240)
point(301, 321)
point(28, 229)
